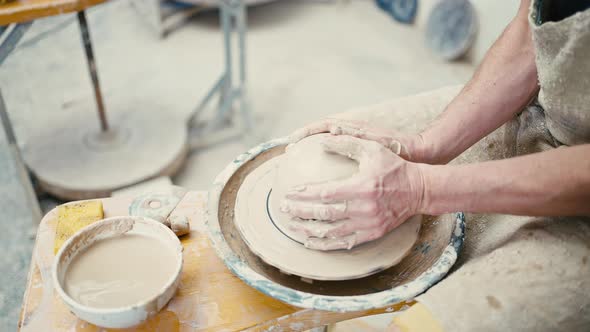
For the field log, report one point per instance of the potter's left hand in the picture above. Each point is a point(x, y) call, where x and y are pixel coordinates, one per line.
point(385, 192)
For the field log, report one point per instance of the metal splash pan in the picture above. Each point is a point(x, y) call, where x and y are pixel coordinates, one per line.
point(431, 258)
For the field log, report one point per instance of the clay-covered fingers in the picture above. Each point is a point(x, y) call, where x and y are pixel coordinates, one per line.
point(330, 211)
point(350, 147)
point(329, 192)
point(334, 126)
point(366, 153)
point(312, 228)
point(331, 244)
point(355, 148)
point(355, 128)
point(322, 126)
point(318, 211)
point(336, 229)
point(348, 241)
point(372, 134)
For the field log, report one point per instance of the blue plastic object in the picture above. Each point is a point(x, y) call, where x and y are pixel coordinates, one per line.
point(451, 28)
point(403, 11)
point(384, 4)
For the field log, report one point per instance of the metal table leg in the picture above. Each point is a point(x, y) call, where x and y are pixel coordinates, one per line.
point(10, 36)
point(92, 70)
point(241, 25)
point(23, 173)
point(230, 89)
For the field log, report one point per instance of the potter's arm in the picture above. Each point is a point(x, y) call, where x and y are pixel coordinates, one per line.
point(504, 83)
point(550, 183)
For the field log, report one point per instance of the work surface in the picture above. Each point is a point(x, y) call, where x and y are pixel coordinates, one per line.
point(209, 297)
point(27, 10)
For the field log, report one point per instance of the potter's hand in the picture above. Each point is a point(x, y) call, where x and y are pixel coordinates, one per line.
point(385, 192)
point(404, 145)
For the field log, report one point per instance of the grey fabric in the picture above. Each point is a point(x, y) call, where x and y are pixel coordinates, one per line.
point(562, 51)
point(517, 273)
point(532, 134)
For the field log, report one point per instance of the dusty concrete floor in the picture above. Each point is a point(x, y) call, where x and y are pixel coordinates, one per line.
point(306, 60)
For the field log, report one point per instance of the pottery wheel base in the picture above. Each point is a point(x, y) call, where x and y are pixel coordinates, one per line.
point(77, 161)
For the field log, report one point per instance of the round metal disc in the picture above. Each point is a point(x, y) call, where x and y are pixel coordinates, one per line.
point(77, 161)
point(451, 28)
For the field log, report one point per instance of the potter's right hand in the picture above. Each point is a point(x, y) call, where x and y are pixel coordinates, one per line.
point(386, 191)
point(406, 146)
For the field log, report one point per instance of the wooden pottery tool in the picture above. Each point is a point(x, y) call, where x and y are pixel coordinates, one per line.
point(118, 272)
point(428, 261)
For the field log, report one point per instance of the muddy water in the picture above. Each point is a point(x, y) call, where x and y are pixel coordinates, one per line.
point(120, 271)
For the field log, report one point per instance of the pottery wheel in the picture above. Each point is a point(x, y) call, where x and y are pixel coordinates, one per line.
point(75, 160)
point(253, 221)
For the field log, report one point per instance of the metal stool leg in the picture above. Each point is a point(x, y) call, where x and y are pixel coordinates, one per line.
point(92, 70)
point(10, 36)
point(226, 94)
point(241, 24)
point(22, 169)
point(230, 89)
point(223, 86)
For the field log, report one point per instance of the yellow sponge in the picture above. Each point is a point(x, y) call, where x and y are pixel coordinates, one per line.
point(73, 217)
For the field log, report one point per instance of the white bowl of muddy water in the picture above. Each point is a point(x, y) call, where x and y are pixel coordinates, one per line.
point(119, 271)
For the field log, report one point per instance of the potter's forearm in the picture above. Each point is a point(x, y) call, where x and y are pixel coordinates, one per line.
point(550, 183)
point(503, 84)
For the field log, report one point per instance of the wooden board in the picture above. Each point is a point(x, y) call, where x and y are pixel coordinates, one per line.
point(29, 10)
point(209, 298)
